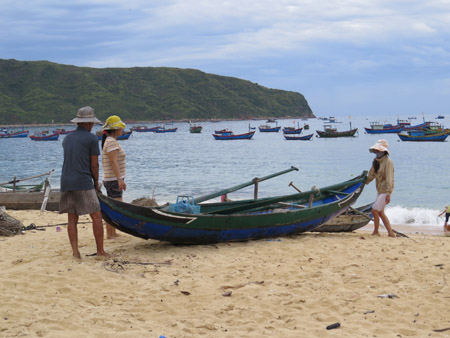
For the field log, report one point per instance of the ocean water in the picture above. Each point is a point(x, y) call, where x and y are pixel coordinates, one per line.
point(170, 164)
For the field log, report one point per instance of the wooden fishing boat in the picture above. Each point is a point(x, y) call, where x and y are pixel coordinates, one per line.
point(144, 129)
point(195, 129)
point(18, 134)
point(29, 196)
point(235, 220)
point(44, 137)
point(292, 130)
point(164, 130)
point(377, 128)
point(231, 136)
point(223, 131)
point(63, 131)
point(329, 131)
point(421, 136)
point(125, 135)
point(350, 220)
point(298, 138)
point(269, 129)
point(30, 200)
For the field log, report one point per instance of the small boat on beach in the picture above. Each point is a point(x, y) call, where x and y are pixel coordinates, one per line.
point(44, 137)
point(231, 136)
point(298, 137)
point(350, 220)
point(190, 221)
point(29, 196)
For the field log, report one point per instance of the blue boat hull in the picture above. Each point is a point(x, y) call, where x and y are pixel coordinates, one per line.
point(425, 138)
point(214, 227)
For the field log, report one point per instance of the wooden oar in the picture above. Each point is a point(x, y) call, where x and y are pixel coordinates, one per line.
point(398, 233)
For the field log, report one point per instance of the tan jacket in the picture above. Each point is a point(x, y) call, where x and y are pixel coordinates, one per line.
point(384, 177)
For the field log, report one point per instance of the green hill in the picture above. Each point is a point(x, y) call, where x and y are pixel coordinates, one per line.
point(42, 92)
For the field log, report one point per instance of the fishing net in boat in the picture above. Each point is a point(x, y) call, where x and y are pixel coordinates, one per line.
point(9, 226)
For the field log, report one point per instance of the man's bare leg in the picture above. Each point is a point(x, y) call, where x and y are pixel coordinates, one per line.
point(72, 231)
point(97, 226)
point(376, 222)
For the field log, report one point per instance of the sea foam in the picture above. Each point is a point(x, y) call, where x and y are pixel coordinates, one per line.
point(415, 216)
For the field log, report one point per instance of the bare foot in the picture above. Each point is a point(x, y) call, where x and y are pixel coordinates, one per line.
point(375, 233)
point(104, 254)
point(392, 235)
point(76, 254)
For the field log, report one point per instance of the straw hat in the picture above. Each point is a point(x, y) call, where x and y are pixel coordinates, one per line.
point(381, 145)
point(85, 114)
point(113, 123)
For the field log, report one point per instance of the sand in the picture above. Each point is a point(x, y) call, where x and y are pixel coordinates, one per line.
point(286, 287)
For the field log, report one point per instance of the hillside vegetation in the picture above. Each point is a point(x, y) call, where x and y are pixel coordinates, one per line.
point(45, 92)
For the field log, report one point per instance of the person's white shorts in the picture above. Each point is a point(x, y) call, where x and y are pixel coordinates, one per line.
point(380, 202)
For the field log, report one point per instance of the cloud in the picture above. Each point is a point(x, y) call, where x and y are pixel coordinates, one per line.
point(289, 44)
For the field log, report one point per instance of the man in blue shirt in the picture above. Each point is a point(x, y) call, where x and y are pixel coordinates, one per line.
point(79, 179)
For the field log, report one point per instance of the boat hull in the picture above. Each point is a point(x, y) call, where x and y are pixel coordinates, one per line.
point(29, 200)
point(215, 225)
point(53, 137)
point(298, 138)
point(333, 134)
point(231, 136)
point(440, 137)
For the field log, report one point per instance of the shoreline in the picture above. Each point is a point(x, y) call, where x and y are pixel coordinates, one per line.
point(215, 120)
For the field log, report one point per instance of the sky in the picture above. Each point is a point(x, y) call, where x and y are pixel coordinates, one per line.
point(347, 57)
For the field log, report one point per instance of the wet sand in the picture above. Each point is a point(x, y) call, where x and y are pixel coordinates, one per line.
point(284, 287)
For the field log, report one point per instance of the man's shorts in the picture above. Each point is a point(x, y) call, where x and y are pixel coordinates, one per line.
point(80, 202)
point(112, 189)
point(380, 202)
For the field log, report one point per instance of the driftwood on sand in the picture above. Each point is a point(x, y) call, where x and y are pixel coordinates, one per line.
point(9, 226)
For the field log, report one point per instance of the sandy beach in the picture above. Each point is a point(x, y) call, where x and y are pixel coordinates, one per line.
point(286, 287)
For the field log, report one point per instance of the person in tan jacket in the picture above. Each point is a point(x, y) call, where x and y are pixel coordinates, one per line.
point(383, 172)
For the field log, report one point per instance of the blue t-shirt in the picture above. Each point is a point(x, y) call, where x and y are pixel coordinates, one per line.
point(78, 147)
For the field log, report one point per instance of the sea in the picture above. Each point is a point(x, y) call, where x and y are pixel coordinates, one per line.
point(165, 165)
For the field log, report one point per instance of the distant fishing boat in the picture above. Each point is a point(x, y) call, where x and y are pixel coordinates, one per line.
point(292, 130)
point(195, 129)
point(163, 129)
point(440, 117)
point(223, 131)
point(44, 137)
point(331, 132)
point(125, 135)
point(298, 138)
point(231, 136)
point(18, 134)
point(421, 136)
point(62, 131)
point(269, 129)
point(377, 128)
point(144, 129)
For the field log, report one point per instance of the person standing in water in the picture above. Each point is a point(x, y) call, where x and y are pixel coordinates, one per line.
point(382, 171)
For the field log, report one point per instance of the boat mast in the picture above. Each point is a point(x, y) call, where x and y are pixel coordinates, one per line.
point(255, 181)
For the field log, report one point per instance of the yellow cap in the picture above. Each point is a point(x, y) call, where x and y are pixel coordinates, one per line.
point(113, 122)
